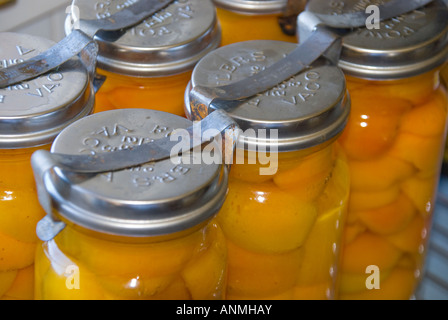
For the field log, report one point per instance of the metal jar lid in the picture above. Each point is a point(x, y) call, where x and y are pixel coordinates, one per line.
point(32, 113)
point(169, 42)
point(252, 6)
point(158, 199)
point(308, 109)
point(404, 46)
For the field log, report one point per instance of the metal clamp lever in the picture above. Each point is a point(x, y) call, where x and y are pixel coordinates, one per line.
point(79, 41)
point(44, 162)
point(320, 36)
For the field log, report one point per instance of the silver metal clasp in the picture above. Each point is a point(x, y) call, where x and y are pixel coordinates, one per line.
point(308, 24)
point(42, 164)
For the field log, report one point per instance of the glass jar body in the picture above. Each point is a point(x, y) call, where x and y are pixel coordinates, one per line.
point(164, 93)
point(394, 143)
point(20, 211)
point(283, 230)
point(75, 265)
point(238, 27)
point(444, 76)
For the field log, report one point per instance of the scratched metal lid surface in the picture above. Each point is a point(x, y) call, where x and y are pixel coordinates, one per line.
point(154, 199)
point(308, 109)
point(33, 112)
point(169, 42)
point(403, 46)
point(252, 6)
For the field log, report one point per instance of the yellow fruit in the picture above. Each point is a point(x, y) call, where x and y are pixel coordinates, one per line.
point(373, 124)
point(428, 119)
point(19, 214)
point(390, 218)
point(308, 177)
point(6, 280)
point(205, 275)
point(23, 286)
point(369, 249)
point(356, 282)
point(321, 291)
point(15, 254)
point(378, 174)
point(321, 250)
point(422, 152)
point(57, 286)
point(412, 237)
point(368, 200)
point(421, 192)
point(263, 218)
point(255, 275)
point(399, 285)
point(130, 260)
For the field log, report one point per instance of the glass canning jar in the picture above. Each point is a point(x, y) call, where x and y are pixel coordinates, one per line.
point(444, 76)
point(146, 232)
point(150, 64)
point(243, 20)
point(288, 183)
point(32, 113)
point(394, 142)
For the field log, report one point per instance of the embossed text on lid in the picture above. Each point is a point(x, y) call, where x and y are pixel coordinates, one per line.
point(252, 6)
point(153, 199)
point(32, 113)
point(169, 42)
point(403, 46)
point(307, 109)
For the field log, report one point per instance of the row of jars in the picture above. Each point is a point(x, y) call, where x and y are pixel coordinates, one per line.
point(337, 205)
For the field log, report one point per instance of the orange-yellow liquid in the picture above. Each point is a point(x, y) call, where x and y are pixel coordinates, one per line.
point(284, 230)
point(156, 93)
point(394, 142)
point(77, 266)
point(240, 27)
point(19, 213)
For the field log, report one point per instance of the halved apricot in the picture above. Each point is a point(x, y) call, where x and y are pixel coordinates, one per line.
point(264, 218)
point(15, 254)
point(373, 125)
point(369, 249)
point(60, 286)
point(321, 249)
point(399, 285)
point(255, 275)
point(23, 286)
point(428, 119)
point(19, 214)
point(411, 238)
point(424, 153)
point(422, 193)
point(6, 280)
point(321, 291)
point(308, 177)
point(351, 231)
point(368, 200)
point(390, 218)
point(351, 283)
point(205, 275)
point(379, 173)
point(147, 260)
